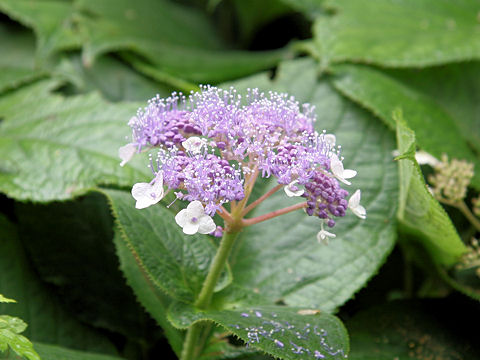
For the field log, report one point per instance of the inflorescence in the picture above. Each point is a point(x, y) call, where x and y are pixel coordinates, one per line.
point(214, 144)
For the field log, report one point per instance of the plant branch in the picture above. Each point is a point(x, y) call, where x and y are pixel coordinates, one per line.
point(254, 204)
point(271, 215)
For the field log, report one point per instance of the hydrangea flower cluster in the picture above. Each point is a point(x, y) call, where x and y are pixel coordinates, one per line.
point(213, 145)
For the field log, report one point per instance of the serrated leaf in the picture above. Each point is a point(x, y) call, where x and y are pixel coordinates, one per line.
point(52, 21)
point(174, 262)
point(418, 210)
point(436, 131)
point(53, 352)
point(12, 341)
point(281, 259)
point(404, 33)
point(154, 300)
point(176, 39)
point(286, 333)
point(47, 320)
point(71, 247)
point(14, 324)
point(53, 148)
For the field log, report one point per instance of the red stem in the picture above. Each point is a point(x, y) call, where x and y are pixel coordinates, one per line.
point(254, 204)
point(271, 215)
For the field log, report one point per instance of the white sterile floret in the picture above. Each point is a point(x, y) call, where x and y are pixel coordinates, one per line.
point(148, 194)
point(330, 139)
point(194, 144)
point(126, 153)
point(323, 236)
point(354, 205)
point(339, 172)
point(193, 219)
point(292, 190)
point(424, 158)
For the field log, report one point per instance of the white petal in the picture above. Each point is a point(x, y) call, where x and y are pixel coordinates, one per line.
point(360, 212)
point(144, 203)
point(336, 165)
point(157, 187)
point(182, 218)
point(291, 193)
point(324, 235)
point(191, 228)
point(348, 173)
point(126, 152)
point(355, 199)
point(330, 139)
point(206, 225)
point(424, 158)
point(140, 189)
point(194, 144)
point(195, 209)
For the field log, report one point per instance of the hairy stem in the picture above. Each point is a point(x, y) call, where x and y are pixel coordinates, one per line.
point(271, 215)
point(190, 350)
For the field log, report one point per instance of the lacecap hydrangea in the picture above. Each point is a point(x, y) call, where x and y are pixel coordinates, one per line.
point(213, 145)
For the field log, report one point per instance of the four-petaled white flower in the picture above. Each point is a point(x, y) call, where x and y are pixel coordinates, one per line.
point(323, 235)
point(339, 172)
point(292, 190)
point(126, 152)
point(354, 205)
point(148, 194)
point(193, 219)
point(194, 144)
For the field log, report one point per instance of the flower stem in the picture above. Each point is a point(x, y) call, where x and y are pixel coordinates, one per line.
point(191, 343)
point(216, 268)
point(460, 205)
point(271, 215)
point(254, 204)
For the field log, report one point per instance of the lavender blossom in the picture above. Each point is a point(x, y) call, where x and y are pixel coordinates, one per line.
point(213, 145)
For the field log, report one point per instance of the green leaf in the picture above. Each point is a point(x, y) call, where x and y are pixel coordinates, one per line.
point(16, 63)
point(71, 246)
point(174, 262)
point(53, 352)
point(154, 300)
point(418, 210)
point(52, 21)
point(281, 259)
point(436, 131)
point(47, 320)
point(11, 340)
point(3, 299)
point(286, 333)
point(53, 148)
point(401, 33)
point(455, 88)
point(406, 330)
point(176, 39)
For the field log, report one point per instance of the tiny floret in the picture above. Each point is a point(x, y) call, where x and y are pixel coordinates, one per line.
point(148, 194)
point(354, 205)
point(292, 190)
point(126, 153)
point(193, 219)
point(339, 172)
point(194, 144)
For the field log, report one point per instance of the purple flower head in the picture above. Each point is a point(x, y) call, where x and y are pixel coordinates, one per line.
point(213, 145)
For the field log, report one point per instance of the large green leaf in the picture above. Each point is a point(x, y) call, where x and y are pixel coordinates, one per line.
point(398, 33)
point(52, 147)
point(154, 300)
point(175, 39)
point(458, 94)
point(286, 333)
point(174, 262)
point(281, 259)
point(47, 320)
point(52, 21)
point(72, 249)
point(418, 209)
point(436, 131)
point(16, 63)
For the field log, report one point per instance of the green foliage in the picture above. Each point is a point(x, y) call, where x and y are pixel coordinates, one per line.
point(418, 210)
point(3, 299)
point(12, 341)
point(175, 262)
point(279, 331)
point(53, 147)
point(406, 33)
point(436, 131)
point(53, 352)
